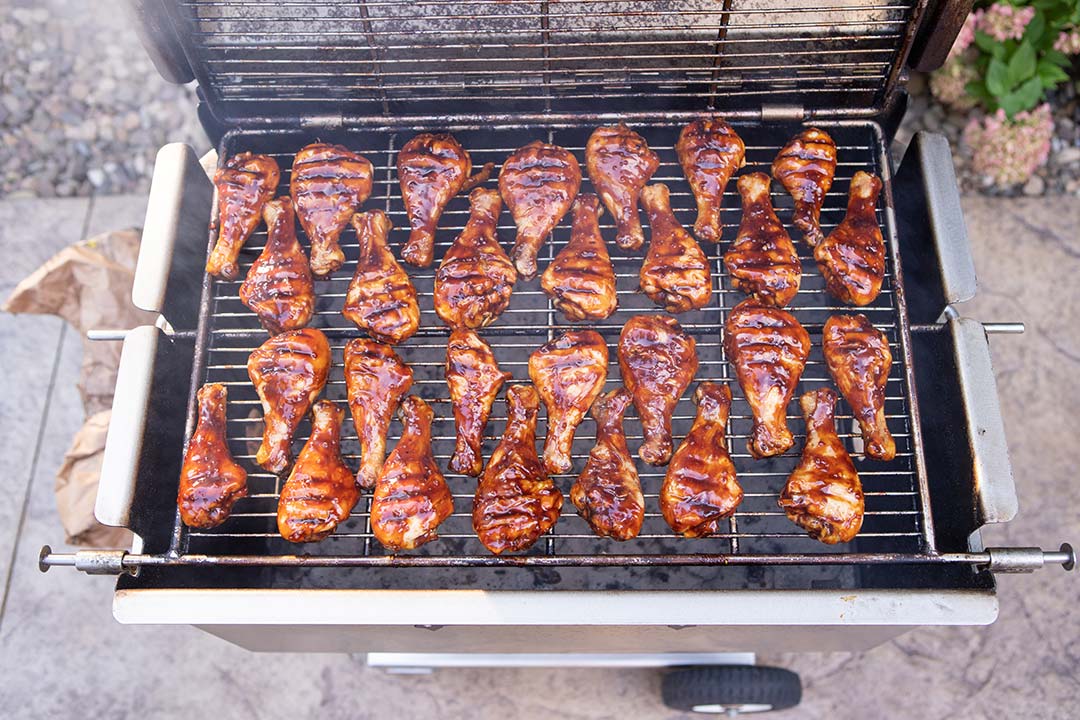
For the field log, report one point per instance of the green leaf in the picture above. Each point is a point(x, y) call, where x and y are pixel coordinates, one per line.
point(977, 89)
point(1057, 57)
point(1021, 64)
point(1011, 104)
point(1034, 31)
point(1050, 74)
point(997, 78)
point(1029, 94)
point(985, 43)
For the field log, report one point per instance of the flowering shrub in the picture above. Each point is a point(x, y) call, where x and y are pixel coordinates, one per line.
point(1022, 48)
point(1007, 152)
point(949, 84)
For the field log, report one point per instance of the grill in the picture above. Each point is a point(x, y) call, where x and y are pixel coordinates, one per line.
point(369, 74)
point(895, 520)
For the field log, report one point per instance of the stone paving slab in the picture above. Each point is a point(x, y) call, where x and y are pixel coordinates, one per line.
point(31, 231)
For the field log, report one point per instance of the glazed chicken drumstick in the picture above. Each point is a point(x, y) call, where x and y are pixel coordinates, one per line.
point(515, 501)
point(475, 279)
point(700, 488)
point(569, 373)
point(805, 167)
point(768, 348)
point(658, 361)
point(675, 273)
point(321, 490)
point(608, 493)
point(210, 480)
point(278, 287)
point(581, 279)
point(474, 379)
point(852, 257)
point(619, 163)
point(245, 183)
point(859, 361)
point(375, 380)
point(288, 371)
point(710, 152)
point(381, 298)
point(431, 169)
point(823, 494)
point(328, 184)
point(411, 496)
point(538, 183)
point(762, 261)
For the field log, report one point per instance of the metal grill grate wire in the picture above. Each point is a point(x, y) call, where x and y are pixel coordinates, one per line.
point(895, 518)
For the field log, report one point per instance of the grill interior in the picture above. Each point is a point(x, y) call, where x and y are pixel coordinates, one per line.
point(388, 58)
point(895, 520)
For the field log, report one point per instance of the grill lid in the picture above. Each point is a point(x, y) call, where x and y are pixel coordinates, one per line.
point(369, 59)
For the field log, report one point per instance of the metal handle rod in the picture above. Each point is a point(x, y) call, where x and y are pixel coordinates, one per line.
point(1008, 560)
point(999, 328)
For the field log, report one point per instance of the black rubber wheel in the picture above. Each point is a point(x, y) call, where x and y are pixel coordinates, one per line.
point(726, 688)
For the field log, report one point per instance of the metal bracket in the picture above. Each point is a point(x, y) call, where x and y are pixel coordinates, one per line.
point(91, 562)
point(775, 112)
point(1029, 559)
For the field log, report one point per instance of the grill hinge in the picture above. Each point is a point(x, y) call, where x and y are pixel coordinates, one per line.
point(323, 122)
point(775, 112)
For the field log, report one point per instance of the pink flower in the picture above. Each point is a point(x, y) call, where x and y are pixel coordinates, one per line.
point(948, 84)
point(1002, 21)
point(1007, 152)
point(966, 36)
point(1068, 42)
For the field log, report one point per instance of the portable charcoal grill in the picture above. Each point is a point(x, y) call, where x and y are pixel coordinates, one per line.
point(274, 76)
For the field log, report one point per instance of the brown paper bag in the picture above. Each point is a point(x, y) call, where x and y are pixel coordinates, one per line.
point(77, 484)
point(89, 285)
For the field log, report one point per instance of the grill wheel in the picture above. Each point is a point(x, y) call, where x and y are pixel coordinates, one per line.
point(731, 689)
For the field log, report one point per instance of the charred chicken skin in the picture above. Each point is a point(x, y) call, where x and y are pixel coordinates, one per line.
point(375, 380)
point(288, 371)
point(823, 495)
point(608, 493)
point(381, 298)
point(805, 167)
point(538, 184)
point(328, 184)
point(768, 348)
point(569, 373)
point(859, 361)
point(321, 490)
point(762, 261)
point(658, 361)
point(675, 274)
point(431, 169)
point(411, 496)
point(710, 152)
point(474, 379)
point(700, 488)
point(210, 480)
point(619, 163)
point(852, 257)
point(515, 501)
point(581, 279)
point(245, 183)
point(475, 279)
point(278, 287)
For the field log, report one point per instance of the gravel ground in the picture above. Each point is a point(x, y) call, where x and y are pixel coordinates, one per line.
point(82, 109)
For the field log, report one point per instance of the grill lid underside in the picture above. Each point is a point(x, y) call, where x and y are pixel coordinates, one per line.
point(384, 58)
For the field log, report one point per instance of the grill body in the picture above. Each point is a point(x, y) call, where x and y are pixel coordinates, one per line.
point(370, 74)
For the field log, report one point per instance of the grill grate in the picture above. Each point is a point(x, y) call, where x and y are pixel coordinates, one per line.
point(377, 58)
point(896, 521)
